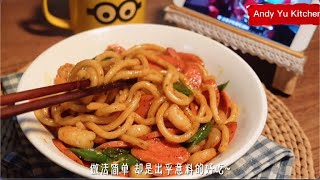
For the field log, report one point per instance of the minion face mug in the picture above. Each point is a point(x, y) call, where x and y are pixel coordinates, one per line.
point(90, 14)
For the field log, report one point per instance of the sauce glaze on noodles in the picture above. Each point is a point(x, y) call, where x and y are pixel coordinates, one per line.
point(152, 110)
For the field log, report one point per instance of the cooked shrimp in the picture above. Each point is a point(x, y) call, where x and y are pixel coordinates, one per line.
point(116, 48)
point(76, 137)
point(63, 73)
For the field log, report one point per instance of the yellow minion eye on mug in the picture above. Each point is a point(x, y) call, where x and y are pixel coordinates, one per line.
point(90, 14)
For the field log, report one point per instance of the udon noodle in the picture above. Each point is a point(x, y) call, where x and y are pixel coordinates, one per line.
point(174, 114)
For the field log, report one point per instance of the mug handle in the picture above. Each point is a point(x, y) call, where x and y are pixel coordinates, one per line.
point(61, 23)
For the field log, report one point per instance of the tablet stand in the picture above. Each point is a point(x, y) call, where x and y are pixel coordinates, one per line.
point(289, 63)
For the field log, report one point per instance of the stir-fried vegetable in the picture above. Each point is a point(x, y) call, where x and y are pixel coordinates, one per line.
point(106, 58)
point(202, 134)
point(179, 86)
point(92, 155)
point(108, 156)
point(115, 152)
point(221, 87)
point(126, 159)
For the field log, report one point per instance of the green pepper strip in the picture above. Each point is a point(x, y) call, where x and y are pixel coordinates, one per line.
point(202, 134)
point(179, 86)
point(120, 156)
point(126, 159)
point(106, 58)
point(92, 155)
point(114, 152)
point(106, 156)
point(223, 86)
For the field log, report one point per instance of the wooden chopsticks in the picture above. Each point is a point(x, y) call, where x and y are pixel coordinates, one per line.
point(79, 92)
point(30, 94)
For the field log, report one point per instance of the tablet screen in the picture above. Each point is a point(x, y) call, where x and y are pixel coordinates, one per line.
point(234, 12)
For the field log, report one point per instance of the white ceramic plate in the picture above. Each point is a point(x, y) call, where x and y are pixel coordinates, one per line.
point(244, 88)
